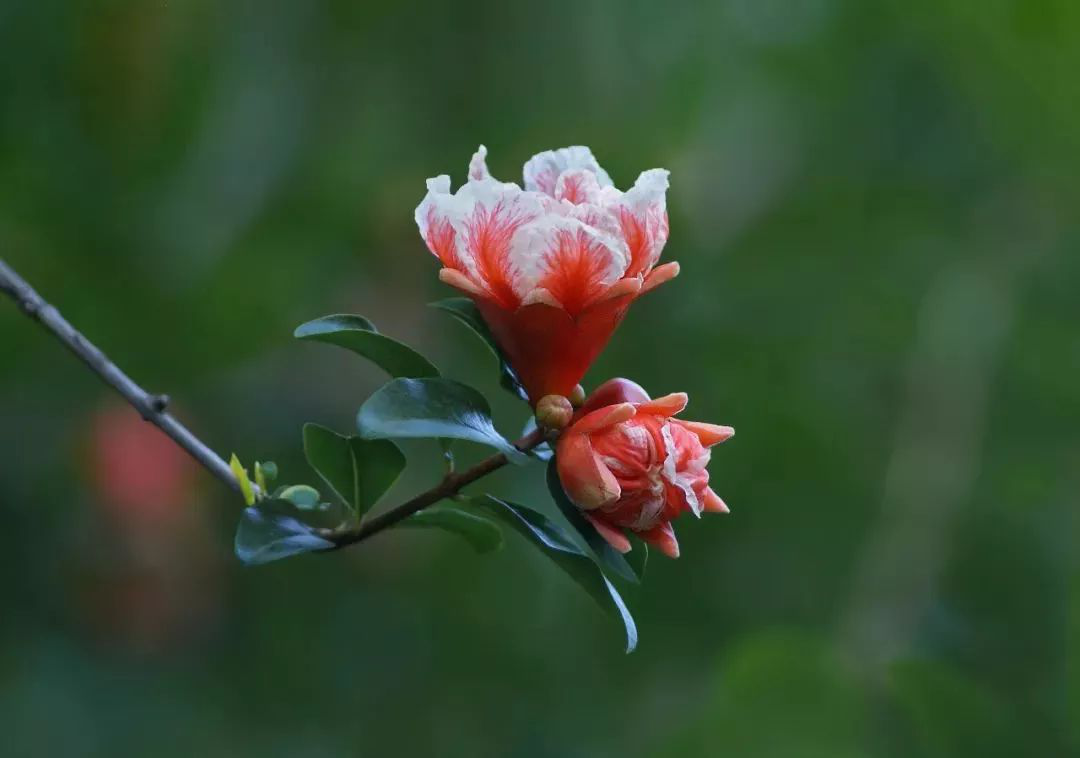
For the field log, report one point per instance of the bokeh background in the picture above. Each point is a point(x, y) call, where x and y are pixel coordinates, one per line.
point(874, 205)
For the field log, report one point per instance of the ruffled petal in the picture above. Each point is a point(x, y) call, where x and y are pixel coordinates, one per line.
point(473, 230)
point(478, 165)
point(543, 170)
point(574, 262)
point(642, 214)
point(435, 225)
point(577, 186)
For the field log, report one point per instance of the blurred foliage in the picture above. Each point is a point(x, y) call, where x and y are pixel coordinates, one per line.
point(873, 205)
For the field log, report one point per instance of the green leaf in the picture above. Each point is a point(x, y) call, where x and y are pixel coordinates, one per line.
point(607, 556)
point(478, 531)
point(241, 475)
point(303, 497)
point(434, 407)
point(264, 535)
point(358, 334)
point(302, 503)
point(638, 558)
point(553, 540)
point(358, 471)
point(465, 311)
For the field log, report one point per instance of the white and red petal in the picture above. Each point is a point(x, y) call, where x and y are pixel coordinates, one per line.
point(478, 165)
point(543, 169)
point(642, 214)
point(578, 186)
point(575, 263)
point(684, 467)
point(435, 226)
point(472, 231)
point(565, 240)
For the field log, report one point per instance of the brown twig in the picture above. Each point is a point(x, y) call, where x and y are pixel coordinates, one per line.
point(152, 408)
point(449, 486)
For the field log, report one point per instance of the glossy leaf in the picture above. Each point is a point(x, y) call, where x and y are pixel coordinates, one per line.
point(611, 559)
point(638, 558)
point(359, 335)
point(265, 535)
point(482, 534)
point(429, 408)
point(358, 471)
point(465, 311)
point(554, 541)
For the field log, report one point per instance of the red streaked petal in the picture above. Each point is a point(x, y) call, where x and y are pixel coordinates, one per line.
point(487, 236)
point(642, 213)
point(577, 186)
point(572, 261)
point(543, 169)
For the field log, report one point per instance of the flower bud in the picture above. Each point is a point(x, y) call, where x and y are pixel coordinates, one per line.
point(577, 396)
point(554, 412)
point(629, 464)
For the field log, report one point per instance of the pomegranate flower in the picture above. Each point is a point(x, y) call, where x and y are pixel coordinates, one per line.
point(553, 267)
point(629, 464)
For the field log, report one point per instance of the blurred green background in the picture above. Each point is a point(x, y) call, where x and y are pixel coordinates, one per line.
point(874, 207)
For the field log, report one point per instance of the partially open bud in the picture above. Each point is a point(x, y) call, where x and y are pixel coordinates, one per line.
point(629, 464)
point(554, 412)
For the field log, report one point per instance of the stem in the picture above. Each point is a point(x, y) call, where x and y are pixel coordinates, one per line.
point(150, 407)
point(449, 486)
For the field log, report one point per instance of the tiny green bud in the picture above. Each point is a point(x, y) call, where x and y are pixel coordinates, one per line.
point(554, 412)
point(270, 470)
